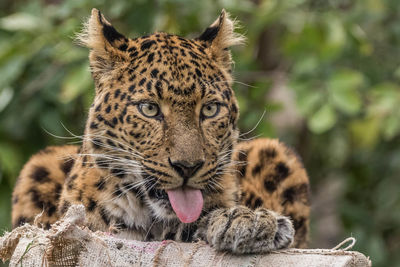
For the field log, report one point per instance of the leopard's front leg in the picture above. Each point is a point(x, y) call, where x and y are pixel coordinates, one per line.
point(242, 230)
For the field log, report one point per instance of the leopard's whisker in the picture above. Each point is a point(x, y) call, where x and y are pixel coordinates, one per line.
point(255, 127)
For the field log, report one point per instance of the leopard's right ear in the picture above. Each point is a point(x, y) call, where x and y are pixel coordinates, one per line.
point(107, 46)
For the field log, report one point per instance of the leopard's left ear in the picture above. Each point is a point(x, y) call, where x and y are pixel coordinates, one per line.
point(107, 46)
point(219, 36)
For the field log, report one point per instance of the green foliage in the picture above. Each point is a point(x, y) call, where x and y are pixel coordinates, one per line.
point(340, 59)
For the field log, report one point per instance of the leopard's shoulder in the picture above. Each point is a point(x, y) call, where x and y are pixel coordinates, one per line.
point(39, 185)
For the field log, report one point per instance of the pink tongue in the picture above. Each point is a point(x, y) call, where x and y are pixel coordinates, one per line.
point(187, 203)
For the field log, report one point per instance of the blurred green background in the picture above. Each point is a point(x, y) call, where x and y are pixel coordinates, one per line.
point(326, 72)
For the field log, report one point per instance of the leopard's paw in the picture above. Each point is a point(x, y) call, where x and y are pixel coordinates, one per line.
point(242, 230)
point(285, 233)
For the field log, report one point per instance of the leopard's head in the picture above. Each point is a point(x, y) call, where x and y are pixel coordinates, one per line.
point(164, 117)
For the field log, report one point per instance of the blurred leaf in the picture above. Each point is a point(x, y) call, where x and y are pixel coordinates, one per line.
point(365, 132)
point(308, 101)
point(75, 83)
point(342, 87)
point(5, 97)
point(376, 249)
point(397, 73)
point(5, 207)
point(11, 69)
point(306, 66)
point(391, 126)
point(10, 159)
point(384, 98)
point(323, 120)
point(21, 21)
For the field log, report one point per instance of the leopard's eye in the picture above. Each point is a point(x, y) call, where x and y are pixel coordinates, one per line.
point(210, 110)
point(149, 109)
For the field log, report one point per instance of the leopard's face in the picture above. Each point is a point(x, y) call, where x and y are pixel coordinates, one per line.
point(164, 115)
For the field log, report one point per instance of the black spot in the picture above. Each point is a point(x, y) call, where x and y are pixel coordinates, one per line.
point(100, 185)
point(116, 93)
point(93, 125)
point(99, 117)
point(193, 55)
point(298, 223)
point(123, 96)
point(102, 163)
point(132, 88)
point(296, 193)
point(227, 94)
point(234, 108)
point(104, 216)
point(154, 73)
point(242, 165)
point(123, 47)
point(198, 72)
point(169, 236)
point(57, 189)
point(92, 205)
point(150, 58)
point(282, 171)
point(117, 191)
point(51, 209)
point(36, 199)
point(256, 170)
point(108, 109)
point(155, 193)
point(147, 44)
point(66, 165)
point(40, 174)
point(20, 221)
point(118, 172)
point(249, 200)
point(258, 203)
point(143, 70)
point(159, 91)
point(105, 99)
point(148, 86)
point(114, 121)
point(84, 160)
point(109, 133)
point(47, 226)
point(269, 185)
point(209, 34)
point(98, 107)
point(266, 154)
point(142, 81)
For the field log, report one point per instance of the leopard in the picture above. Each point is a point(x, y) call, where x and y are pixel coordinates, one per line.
point(160, 157)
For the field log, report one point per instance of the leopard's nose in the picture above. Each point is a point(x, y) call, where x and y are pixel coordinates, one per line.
point(186, 169)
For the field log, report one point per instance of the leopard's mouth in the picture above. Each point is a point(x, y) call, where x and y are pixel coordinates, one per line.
point(186, 202)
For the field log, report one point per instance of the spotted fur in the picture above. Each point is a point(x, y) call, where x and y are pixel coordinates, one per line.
point(128, 159)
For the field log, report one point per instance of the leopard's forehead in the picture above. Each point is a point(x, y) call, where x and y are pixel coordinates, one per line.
point(166, 67)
